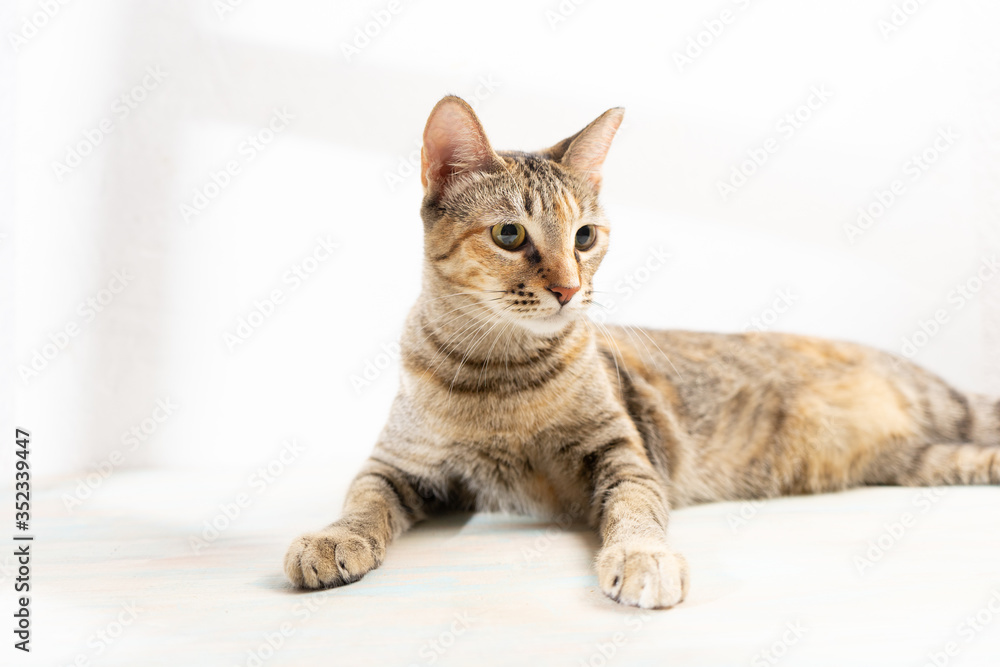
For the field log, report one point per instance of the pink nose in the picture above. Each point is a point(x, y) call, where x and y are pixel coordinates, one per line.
point(564, 294)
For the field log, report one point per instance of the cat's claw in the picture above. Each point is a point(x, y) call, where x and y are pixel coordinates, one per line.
point(331, 557)
point(642, 575)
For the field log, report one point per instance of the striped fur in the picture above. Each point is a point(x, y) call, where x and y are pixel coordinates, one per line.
point(511, 402)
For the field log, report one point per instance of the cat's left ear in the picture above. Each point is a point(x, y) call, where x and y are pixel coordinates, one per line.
point(585, 151)
point(454, 144)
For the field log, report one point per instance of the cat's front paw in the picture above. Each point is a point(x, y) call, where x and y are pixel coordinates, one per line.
point(642, 574)
point(331, 557)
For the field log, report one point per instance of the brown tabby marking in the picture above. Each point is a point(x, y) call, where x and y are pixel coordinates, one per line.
point(510, 400)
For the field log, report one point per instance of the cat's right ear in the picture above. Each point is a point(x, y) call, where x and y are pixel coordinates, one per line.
point(585, 151)
point(454, 144)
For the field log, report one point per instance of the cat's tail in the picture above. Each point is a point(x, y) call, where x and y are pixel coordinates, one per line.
point(957, 439)
point(949, 415)
point(944, 413)
point(984, 414)
point(962, 444)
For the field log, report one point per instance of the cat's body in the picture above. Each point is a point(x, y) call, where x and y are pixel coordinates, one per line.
point(512, 400)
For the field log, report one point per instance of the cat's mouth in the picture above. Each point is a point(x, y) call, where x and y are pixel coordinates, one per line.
point(551, 323)
point(540, 316)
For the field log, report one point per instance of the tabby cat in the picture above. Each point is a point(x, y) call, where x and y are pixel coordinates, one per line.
point(510, 402)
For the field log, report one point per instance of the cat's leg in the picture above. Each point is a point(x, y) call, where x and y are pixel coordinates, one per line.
point(635, 566)
point(939, 464)
point(382, 502)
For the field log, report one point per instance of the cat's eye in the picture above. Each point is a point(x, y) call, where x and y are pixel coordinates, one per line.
point(585, 237)
point(508, 235)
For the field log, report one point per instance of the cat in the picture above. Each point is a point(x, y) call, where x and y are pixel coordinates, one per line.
point(510, 401)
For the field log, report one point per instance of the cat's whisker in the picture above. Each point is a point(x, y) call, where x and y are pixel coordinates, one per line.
point(467, 353)
point(448, 296)
point(636, 340)
point(440, 355)
point(506, 357)
point(431, 331)
point(457, 308)
point(486, 361)
point(439, 325)
point(472, 347)
point(632, 332)
point(624, 366)
point(612, 346)
point(646, 334)
point(481, 320)
point(461, 337)
point(479, 324)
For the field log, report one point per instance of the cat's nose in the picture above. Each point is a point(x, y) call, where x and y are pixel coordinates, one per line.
point(564, 294)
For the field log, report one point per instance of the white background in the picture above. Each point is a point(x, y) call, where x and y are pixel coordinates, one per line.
point(540, 71)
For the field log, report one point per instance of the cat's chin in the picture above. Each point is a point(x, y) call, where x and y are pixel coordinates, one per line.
point(549, 325)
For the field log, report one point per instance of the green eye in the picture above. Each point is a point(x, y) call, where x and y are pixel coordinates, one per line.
point(585, 237)
point(508, 235)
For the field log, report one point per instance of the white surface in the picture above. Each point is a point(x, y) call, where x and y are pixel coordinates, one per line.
point(514, 591)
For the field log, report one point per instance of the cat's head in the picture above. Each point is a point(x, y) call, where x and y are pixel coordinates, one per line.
point(521, 232)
